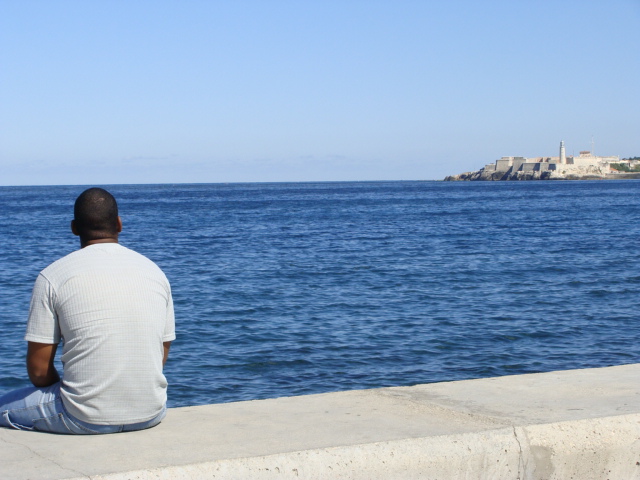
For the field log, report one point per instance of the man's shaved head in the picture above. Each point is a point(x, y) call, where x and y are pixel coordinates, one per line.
point(96, 214)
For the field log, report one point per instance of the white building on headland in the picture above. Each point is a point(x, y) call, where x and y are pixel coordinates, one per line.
point(586, 162)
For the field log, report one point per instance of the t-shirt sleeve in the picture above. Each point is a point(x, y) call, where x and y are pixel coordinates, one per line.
point(170, 322)
point(42, 325)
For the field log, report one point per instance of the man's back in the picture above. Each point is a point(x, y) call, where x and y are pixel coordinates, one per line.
point(114, 311)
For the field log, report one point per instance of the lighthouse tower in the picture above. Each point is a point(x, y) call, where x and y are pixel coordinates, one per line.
point(563, 156)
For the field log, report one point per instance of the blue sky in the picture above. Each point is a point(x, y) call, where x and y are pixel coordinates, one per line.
point(258, 91)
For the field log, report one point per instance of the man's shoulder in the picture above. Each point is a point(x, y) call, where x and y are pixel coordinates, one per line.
point(136, 257)
point(61, 262)
point(100, 254)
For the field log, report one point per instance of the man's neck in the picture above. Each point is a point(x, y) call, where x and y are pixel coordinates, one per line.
point(98, 240)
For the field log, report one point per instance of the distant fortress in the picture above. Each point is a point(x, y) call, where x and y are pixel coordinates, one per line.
point(585, 166)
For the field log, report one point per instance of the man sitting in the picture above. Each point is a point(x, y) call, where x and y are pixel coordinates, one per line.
point(113, 310)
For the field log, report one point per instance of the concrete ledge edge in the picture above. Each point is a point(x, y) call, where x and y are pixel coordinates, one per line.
point(607, 447)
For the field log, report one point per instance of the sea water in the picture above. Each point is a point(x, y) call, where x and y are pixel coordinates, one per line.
point(294, 288)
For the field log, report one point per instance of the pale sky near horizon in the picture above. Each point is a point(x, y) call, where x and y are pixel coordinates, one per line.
point(98, 93)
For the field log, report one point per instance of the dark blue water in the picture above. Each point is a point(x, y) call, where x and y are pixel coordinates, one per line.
point(289, 289)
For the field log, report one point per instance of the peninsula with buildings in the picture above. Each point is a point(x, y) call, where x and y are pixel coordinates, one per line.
point(585, 166)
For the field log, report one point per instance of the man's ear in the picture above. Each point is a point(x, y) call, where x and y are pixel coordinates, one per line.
point(119, 224)
point(74, 229)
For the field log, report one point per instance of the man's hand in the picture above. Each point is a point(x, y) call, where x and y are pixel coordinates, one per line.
point(40, 356)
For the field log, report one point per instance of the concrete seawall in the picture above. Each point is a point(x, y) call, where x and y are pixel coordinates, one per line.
point(582, 424)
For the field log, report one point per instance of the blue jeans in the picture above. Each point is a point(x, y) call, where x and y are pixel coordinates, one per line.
point(41, 409)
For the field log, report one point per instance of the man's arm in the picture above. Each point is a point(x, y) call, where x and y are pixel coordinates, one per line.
point(40, 357)
point(167, 346)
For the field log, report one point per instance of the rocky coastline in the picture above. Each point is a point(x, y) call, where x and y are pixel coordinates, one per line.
point(585, 166)
point(575, 173)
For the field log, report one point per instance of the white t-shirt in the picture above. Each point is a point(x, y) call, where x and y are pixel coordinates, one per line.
point(113, 309)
